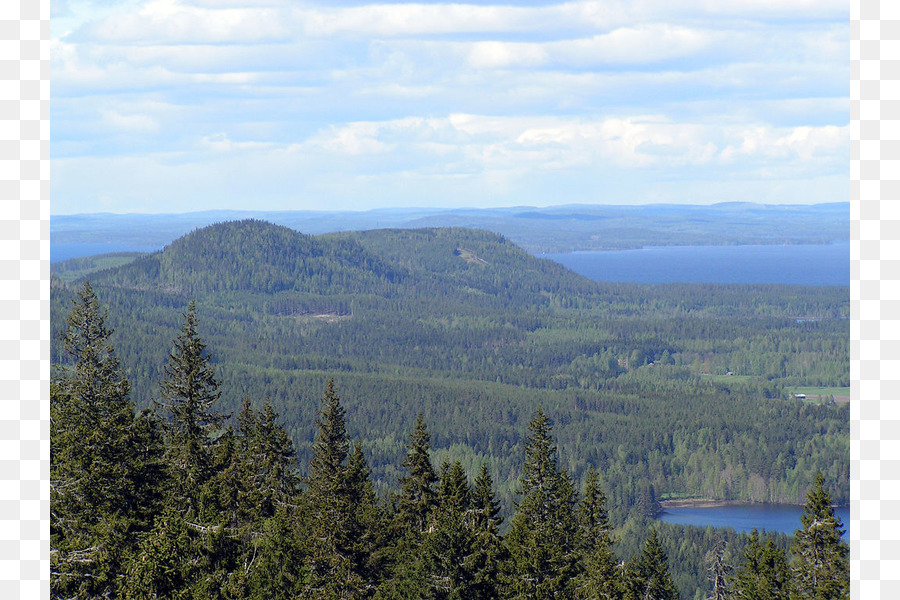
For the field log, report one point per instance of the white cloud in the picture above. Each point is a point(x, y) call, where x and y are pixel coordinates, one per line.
point(179, 21)
point(219, 142)
point(173, 21)
point(385, 101)
point(132, 123)
point(630, 45)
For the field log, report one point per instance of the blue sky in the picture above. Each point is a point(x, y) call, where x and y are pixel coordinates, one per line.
point(183, 105)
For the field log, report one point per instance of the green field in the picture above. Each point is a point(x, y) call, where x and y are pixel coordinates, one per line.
point(819, 391)
point(730, 378)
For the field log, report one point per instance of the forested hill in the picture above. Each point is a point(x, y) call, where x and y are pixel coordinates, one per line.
point(261, 258)
point(255, 256)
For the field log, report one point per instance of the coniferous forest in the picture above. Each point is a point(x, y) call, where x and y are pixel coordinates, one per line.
point(433, 413)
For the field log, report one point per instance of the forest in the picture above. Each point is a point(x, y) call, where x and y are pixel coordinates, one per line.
point(475, 333)
point(183, 501)
point(471, 333)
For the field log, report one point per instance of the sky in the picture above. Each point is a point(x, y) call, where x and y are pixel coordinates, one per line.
point(169, 106)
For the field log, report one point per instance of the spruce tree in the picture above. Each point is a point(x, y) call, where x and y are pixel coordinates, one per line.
point(106, 473)
point(488, 552)
point(417, 496)
point(449, 541)
point(718, 571)
point(333, 562)
point(189, 391)
point(821, 565)
point(411, 520)
point(542, 539)
point(600, 578)
point(279, 569)
point(162, 566)
point(764, 573)
point(268, 461)
point(366, 527)
point(648, 577)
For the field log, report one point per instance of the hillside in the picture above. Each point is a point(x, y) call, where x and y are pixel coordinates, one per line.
point(472, 331)
point(254, 256)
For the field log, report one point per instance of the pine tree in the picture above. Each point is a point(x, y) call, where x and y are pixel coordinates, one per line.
point(600, 578)
point(648, 577)
point(542, 539)
point(821, 566)
point(764, 574)
point(106, 470)
point(189, 391)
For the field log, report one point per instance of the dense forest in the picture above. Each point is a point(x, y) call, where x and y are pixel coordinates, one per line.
point(474, 333)
point(183, 500)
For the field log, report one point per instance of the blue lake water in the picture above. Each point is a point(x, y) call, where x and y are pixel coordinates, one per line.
point(819, 264)
point(60, 252)
point(745, 517)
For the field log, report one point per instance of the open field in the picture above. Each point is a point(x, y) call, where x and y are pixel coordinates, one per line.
point(818, 394)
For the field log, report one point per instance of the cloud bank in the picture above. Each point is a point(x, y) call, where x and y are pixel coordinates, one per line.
point(175, 105)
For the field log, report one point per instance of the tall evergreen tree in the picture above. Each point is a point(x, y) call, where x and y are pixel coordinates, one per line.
point(417, 496)
point(821, 565)
point(600, 578)
point(189, 391)
point(764, 573)
point(279, 569)
point(106, 473)
point(269, 460)
point(542, 539)
point(411, 519)
point(718, 571)
point(366, 527)
point(488, 552)
point(334, 568)
point(449, 541)
point(648, 577)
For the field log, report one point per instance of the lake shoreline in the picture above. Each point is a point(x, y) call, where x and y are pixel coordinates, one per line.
point(699, 503)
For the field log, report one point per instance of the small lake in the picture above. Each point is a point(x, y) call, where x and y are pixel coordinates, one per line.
point(746, 516)
point(813, 264)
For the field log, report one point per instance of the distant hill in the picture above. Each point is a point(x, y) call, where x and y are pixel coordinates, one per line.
point(552, 229)
point(256, 257)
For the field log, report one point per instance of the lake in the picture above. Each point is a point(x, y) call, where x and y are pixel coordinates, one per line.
point(745, 516)
point(60, 252)
point(814, 264)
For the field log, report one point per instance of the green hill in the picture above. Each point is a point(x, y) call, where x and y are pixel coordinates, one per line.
point(257, 257)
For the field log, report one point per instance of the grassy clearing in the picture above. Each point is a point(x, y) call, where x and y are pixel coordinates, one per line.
point(729, 378)
point(818, 391)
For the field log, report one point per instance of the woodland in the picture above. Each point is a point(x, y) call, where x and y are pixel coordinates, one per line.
point(468, 371)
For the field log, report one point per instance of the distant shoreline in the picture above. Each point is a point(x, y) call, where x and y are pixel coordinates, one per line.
point(711, 503)
point(697, 503)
